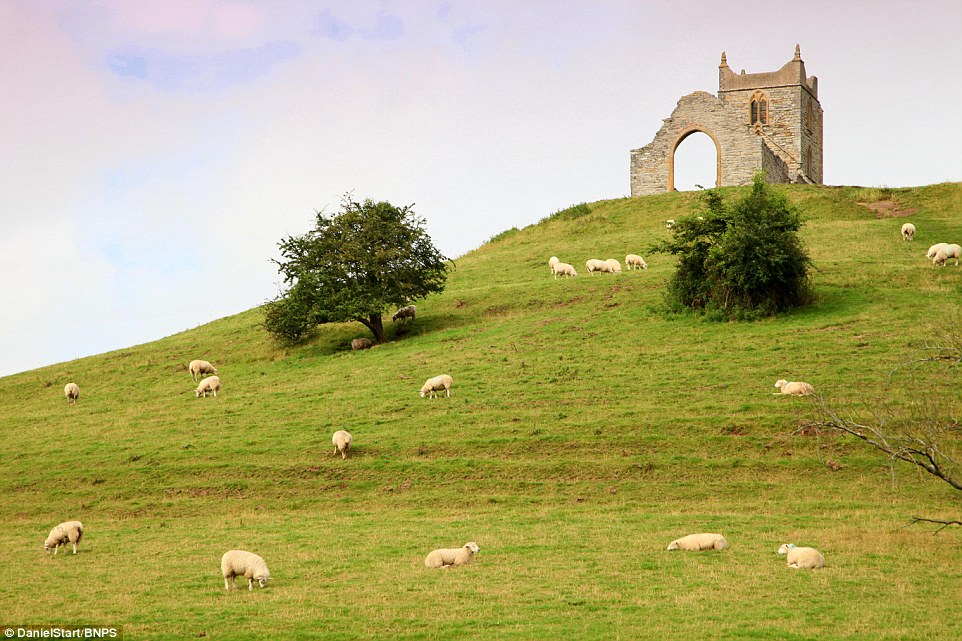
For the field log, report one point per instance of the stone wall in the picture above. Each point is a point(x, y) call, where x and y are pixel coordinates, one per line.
point(788, 147)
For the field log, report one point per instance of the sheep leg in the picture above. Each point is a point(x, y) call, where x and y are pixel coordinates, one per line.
point(250, 584)
point(343, 454)
point(447, 392)
point(56, 549)
point(74, 548)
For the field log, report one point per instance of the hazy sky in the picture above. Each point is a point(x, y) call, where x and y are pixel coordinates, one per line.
point(153, 152)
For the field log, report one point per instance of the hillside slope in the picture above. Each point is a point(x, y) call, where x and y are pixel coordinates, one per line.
point(586, 429)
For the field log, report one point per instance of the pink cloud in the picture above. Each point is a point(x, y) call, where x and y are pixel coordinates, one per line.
point(219, 18)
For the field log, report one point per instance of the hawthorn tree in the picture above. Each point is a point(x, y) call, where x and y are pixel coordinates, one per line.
point(739, 260)
point(354, 266)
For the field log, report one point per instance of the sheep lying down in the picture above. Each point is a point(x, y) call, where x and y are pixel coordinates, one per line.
point(699, 542)
point(451, 556)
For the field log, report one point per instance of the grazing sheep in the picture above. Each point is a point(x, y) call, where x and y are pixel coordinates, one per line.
point(634, 260)
point(342, 442)
point(436, 384)
point(209, 384)
point(197, 368)
point(802, 558)
point(699, 542)
point(552, 262)
point(669, 223)
point(361, 343)
point(944, 253)
point(246, 564)
point(451, 556)
point(405, 313)
point(72, 392)
point(564, 269)
point(613, 265)
point(595, 265)
point(66, 532)
point(934, 249)
point(793, 388)
point(908, 231)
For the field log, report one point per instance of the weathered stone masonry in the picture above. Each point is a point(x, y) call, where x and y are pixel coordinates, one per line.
point(761, 121)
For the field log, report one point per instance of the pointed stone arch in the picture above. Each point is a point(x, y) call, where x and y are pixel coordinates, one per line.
point(692, 129)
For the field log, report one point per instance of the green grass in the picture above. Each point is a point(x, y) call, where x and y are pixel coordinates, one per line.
point(587, 428)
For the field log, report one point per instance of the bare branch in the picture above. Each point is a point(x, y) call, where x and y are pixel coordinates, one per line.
point(919, 519)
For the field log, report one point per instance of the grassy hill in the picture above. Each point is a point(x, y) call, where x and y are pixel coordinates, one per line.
point(586, 429)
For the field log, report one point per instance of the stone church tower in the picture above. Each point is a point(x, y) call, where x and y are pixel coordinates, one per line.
point(759, 121)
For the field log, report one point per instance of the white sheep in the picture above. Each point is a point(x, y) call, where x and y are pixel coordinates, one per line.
point(405, 313)
point(669, 223)
point(209, 384)
point(197, 368)
point(908, 231)
point(246, 564)
point(66, 532)
point(451, 556)
point(802, 558)
point(72, 392)
point(634, 260)
point(793, 388)
point(361, 343)
point(613, 265)
point(564, 269)
point(596, 265)
point(699, 542)
point(944, 253)
point(342, 440)
point(552, 262)
point(436, 384)
point(934, 249)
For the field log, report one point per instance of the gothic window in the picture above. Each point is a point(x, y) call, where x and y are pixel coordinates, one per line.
point(810, 117)
point(759, 111)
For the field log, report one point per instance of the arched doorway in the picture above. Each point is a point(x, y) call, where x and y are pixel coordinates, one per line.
point(694, 162)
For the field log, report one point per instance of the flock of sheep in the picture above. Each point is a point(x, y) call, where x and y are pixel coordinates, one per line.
point(607, 266)
point(236, 563)
point(938, 253)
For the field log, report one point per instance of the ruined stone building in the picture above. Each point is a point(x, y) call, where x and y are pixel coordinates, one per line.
point(759, 121)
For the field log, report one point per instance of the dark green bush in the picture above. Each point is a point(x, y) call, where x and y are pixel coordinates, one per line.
point(741, 260)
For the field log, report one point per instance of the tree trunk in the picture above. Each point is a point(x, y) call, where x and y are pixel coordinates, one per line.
point(373, 323)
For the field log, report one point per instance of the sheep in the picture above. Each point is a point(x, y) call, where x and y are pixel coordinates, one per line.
point(72, 392)
point(669, 223)
point(451, 556)
point(247, 564)
point(342, 442)
point(949, 251)
point(634, 260)
point(699, 542)
point(595, 265)
point(200, 367)
point(934, 249)
point(908, 231)
point(613, 265)
point(436, 384)
point(802, 558)
point(405, 313)
point(552, 262)
point(209, 384)
point(66, 532)
point(564, 269)
point(361, 343)
point(793, 388)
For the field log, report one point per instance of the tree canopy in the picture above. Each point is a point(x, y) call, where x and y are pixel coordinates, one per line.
point(354, 266)
point(740, 260)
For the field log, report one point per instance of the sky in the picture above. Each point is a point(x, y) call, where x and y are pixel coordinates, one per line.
point(154, 152)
